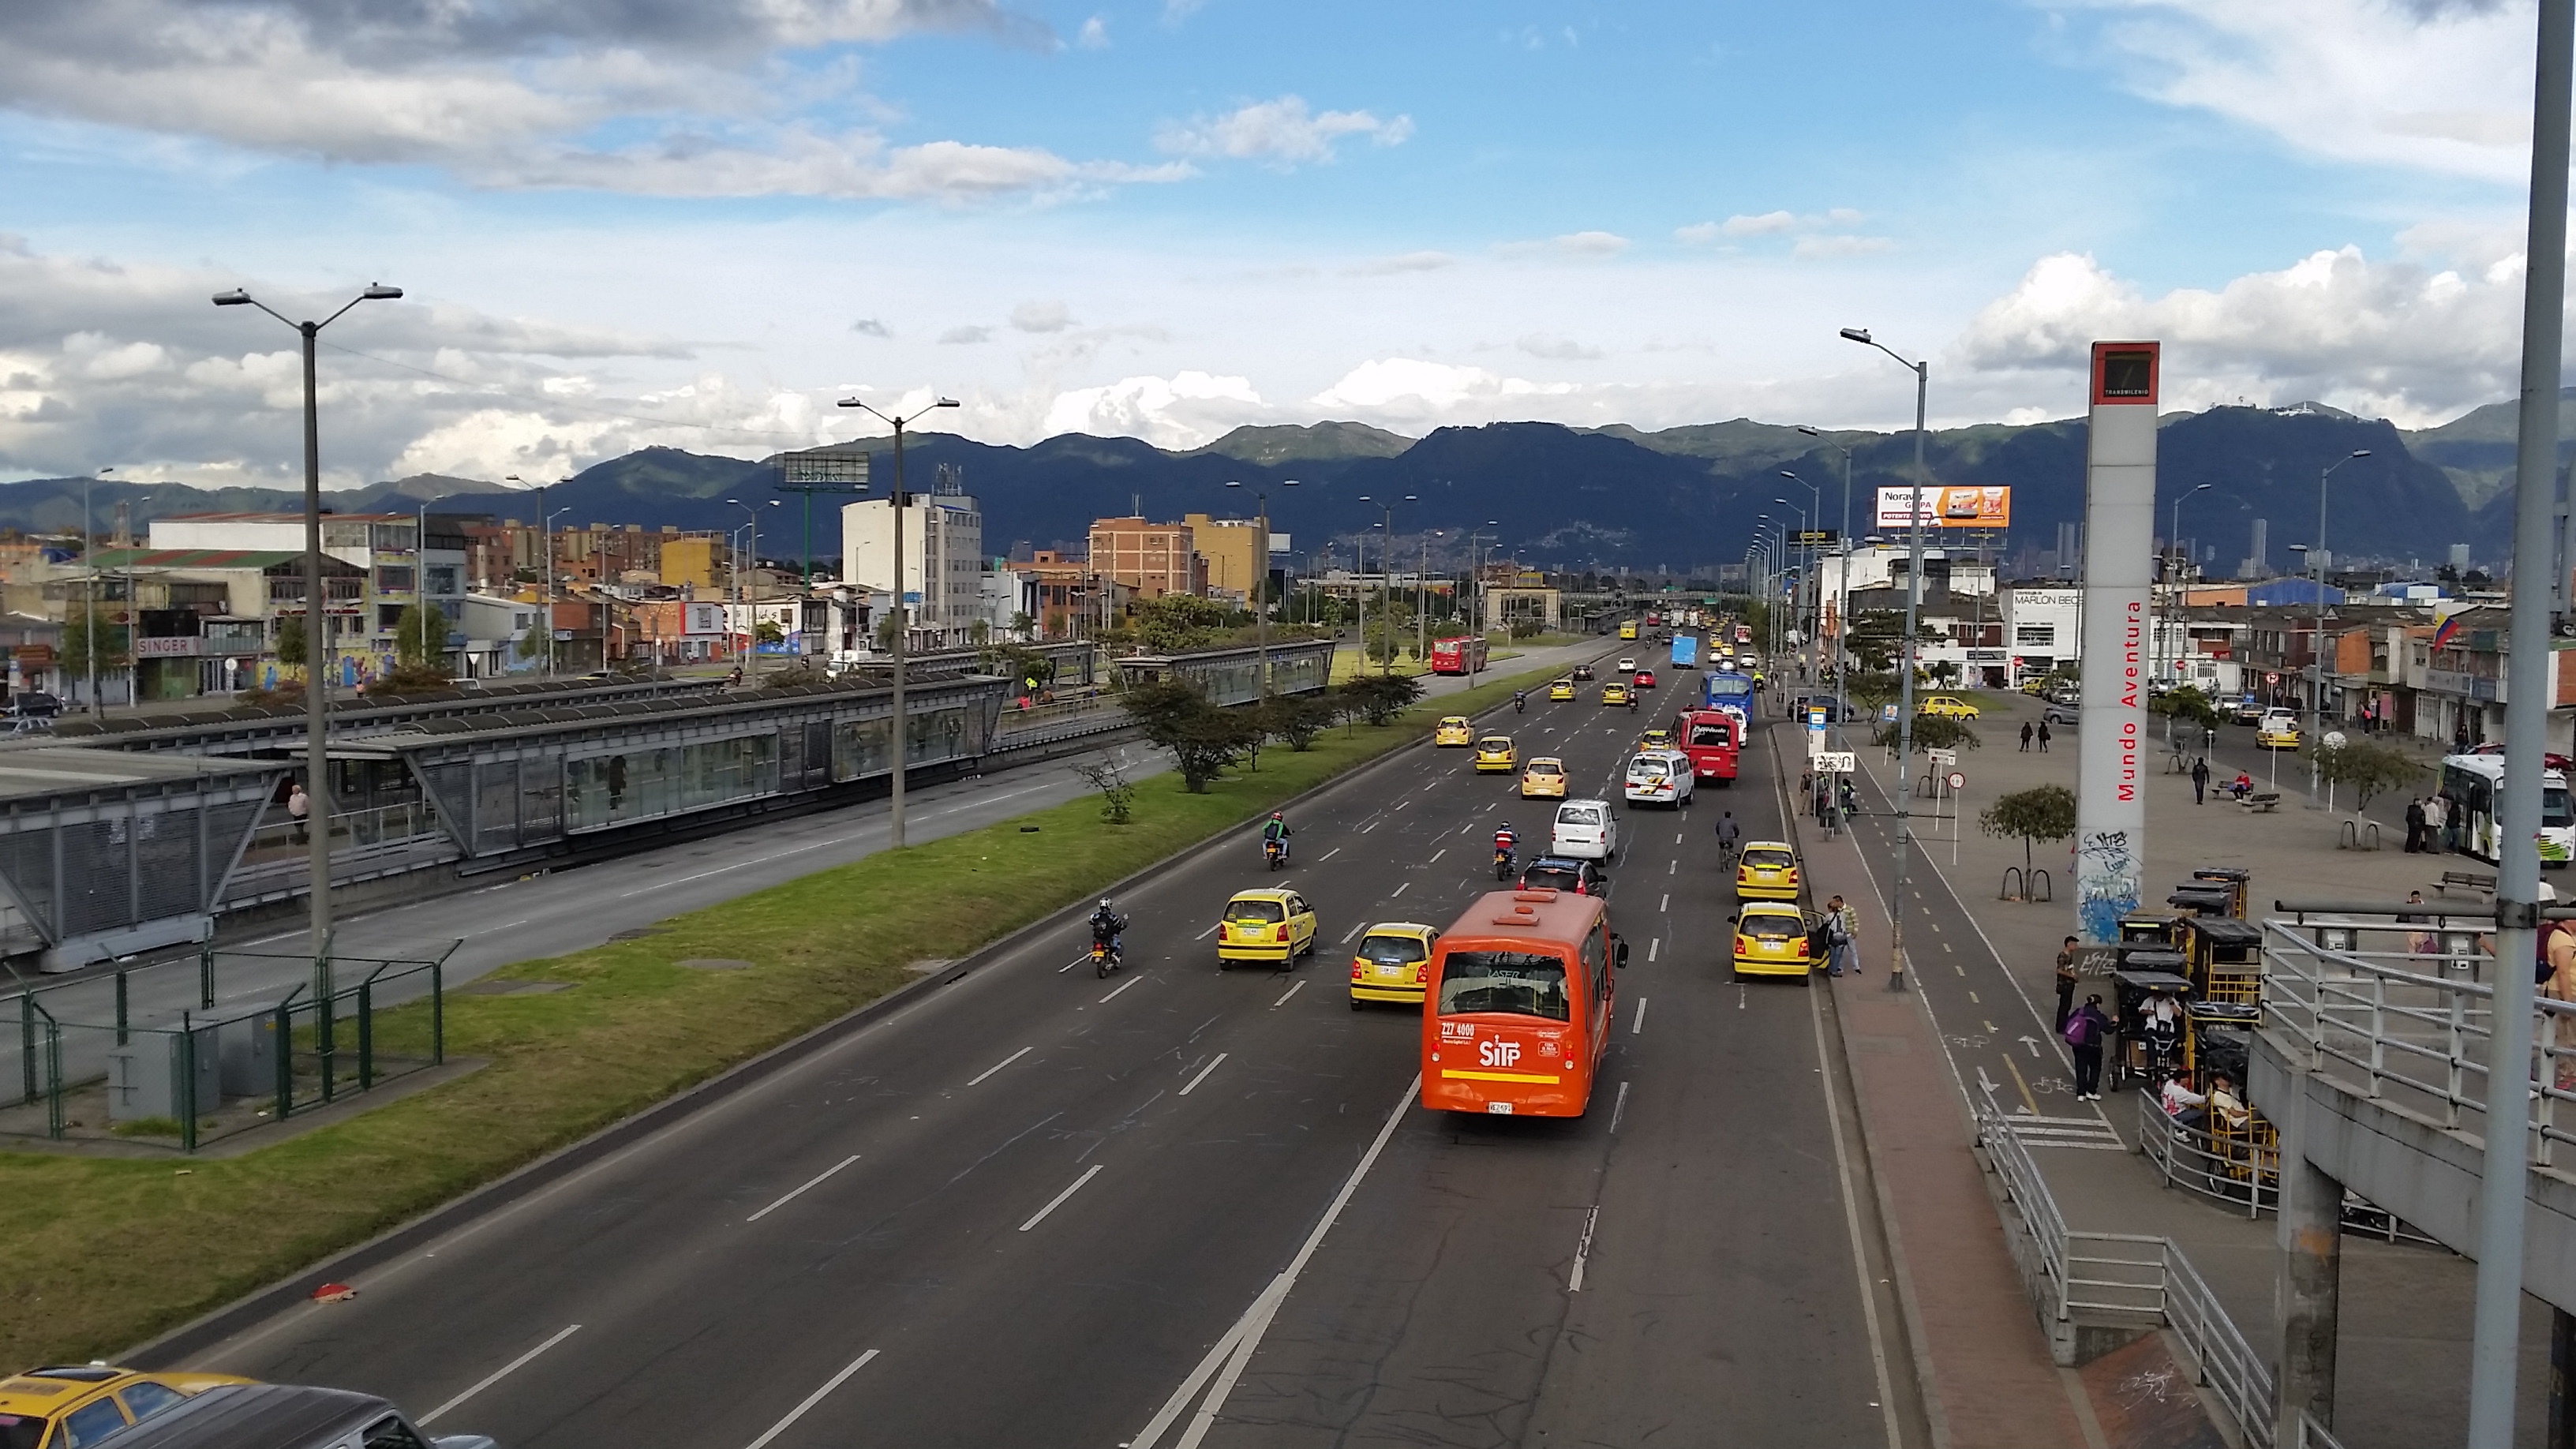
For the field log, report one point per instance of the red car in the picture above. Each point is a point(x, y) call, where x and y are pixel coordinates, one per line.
point(1645, 679)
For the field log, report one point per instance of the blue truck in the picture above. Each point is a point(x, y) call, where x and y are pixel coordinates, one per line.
point(1686, 651)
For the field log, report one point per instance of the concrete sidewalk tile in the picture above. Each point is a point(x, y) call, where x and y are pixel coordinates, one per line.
point(2143, 1399)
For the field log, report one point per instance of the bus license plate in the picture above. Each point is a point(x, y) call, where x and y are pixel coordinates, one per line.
point(1499, 1109)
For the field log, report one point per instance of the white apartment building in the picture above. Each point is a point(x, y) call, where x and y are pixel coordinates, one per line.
point(2043, 628)
point(388, 546)
point(942, 566)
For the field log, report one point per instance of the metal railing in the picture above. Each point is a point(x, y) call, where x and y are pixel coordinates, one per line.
point(2241, 1168)
point(2132, 1277)
point(2398, 1012)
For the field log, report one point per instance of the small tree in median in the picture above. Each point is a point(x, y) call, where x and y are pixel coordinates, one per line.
point(1298, 718)
point(2369, 767)
point(1203, 739)
point(2044, 813)
point(1932, 732)
point(1117, 792)
point(1379, 698)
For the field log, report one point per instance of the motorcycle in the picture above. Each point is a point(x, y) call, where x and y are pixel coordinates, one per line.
point(1502, 862)
point(1106, 957)
point(1276, 852)
point(1520, 704)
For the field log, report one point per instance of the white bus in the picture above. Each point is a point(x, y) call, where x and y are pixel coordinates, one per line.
point(2474, 785)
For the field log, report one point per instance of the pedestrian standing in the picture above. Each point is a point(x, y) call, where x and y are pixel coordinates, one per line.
point(299, 808)
point(2025, 737)
point(2199, 779)
point(2085, 1032)
point(2065, 982)
point(2043, 737)
point(2437, 823)
point(2414, 826)
point(1842, 929)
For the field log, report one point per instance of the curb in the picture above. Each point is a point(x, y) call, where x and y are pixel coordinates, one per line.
point(1892, 1238)
point(168, 1349)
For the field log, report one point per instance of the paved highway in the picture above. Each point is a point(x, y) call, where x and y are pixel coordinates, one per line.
point(557, 912)
point(1189, 1206)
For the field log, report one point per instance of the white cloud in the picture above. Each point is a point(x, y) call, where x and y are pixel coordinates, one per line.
point(1401, 263)
point(1281, 132)
point(2442, 87)
point(870, 327)
point(1183, 411)
point(1591, 245)
point(965, 336)
point(1557, 349)
point(1766, 224)
point(1041, 317)
point(1094, 34)
point(1818, 248)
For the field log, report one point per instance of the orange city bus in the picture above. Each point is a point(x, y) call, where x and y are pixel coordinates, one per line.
point(1519, 1006)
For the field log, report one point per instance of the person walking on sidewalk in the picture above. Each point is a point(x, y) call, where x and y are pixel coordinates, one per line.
point(1842, 937)
point(2200, 779)
point(2043, 737)
point(2414, 826)
point(2065, 982)
point(2085, 1032)
point(299, 808)
point(2025, 737)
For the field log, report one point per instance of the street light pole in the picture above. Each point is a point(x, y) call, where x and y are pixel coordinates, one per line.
point(2317, 649)
point(1842, 586)
point(1387, 561)
point(742, 586)
point(1261, 579)
point(2161, 651)
point(1905, 666)
point(902, 750)
point(317, 779)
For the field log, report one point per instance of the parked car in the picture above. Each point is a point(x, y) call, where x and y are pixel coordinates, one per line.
point(34, 704)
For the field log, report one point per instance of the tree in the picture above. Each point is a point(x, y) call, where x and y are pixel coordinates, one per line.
point(532, 645)
point(85, 630)
point(420, 636)
point(767, 631)
point(1117, 792)
point(2044, 813)
point(1022, 625)
point(1943, 672)
point(2368, 766)
point(1379, 698)
point(1176, 622)
point(1298, 718)
point(290, 640)
point(1028, 670)
point(1870, 691)
point(1202, 738)
point(1526, 628)
point(1933, 732)
point(2188, 705)
point(979, 632)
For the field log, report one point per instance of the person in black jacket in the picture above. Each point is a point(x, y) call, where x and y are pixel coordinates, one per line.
point(2086, 1032)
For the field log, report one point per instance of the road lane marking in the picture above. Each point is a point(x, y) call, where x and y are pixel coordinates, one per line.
point(1972, 996)
point(817, 1178)
point(1327, 855)
point(1851, 1228)
point(1653, 945)
point(1355, 929)
point(2031, 1042)
point(1210, 931)
point(1113, 995)
point(2027, 1099)
point(1619, 1108)
point(1004, 1062)
point(1283, 1001)
point(1435, 856)
point(1677, 837)
point(505, 925)
point(1088, 1174)
point(1399, 890)
point(816, 1397)
point(1076, 961)
point(1640, 1023)
point(1203, 1074)
point(1582, 1250)
point(1668, 902)
point(503, 1372)
point(1672, 867)
point(1232, 1352)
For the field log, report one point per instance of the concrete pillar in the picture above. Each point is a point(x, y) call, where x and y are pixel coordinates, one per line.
point(2562, 1374)
point(2307, 1292)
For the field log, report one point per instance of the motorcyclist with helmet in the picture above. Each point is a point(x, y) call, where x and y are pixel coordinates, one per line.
point(1274, 835)
point(1506, 843)
point(1109, 929)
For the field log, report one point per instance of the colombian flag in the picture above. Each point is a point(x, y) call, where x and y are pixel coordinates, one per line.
point(2446, 632)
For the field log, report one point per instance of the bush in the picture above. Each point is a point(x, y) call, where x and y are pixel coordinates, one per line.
point(1932, 732)
point(1298, 718)
point(1203, 739)
point(1379, 698)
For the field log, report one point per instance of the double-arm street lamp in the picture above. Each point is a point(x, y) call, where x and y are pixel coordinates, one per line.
point(1905, 665)
point(902, 751)
point(317, 780)
point(1842, 581)
point(2163, 652)
point(2317, 562)
point(1261, 579)
point(743, 590)
point(1387, 562)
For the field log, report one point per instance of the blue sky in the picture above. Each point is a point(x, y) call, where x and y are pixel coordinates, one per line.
point(625, 222)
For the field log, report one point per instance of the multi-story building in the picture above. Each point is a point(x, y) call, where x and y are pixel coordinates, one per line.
point(1232, 549)
point(400, 566)
point(1153, 559)
point(2043, 631)
point(208, 620)
point(941, 572)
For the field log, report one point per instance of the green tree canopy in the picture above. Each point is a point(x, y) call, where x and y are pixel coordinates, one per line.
point(1379, 698)
point(420, 636)
point(2366, 765)
point(1203, 739)
point(2046, 812)
point(1176, 622)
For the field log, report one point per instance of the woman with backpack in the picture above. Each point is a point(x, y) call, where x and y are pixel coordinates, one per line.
point(2085, 1033)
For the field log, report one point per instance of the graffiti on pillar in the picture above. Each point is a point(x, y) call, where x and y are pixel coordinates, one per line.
point(2106, 885)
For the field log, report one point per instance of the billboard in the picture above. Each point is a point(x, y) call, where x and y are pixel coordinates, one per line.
point(1946, 508)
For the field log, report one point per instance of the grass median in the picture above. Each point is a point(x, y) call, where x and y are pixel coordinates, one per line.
point(99, 1253)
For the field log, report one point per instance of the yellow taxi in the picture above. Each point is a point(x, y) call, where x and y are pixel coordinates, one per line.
point(1453, 730)
point(1265, 925)
point(1543, 778)
point(65, 1407)
point(1767, 870)
point(1771, 940)
point(1561, 691)
point(1654, 740)
point(2036, 684)
point(1614, 693)
point(1393, 963)
point(1946, 706)
point(2278, 729)
point(1494, 754)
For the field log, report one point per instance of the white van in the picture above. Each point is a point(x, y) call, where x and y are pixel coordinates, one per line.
point(1584, 829)
point(1659, 777)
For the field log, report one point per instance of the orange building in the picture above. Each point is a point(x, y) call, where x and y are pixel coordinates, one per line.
point(1153, 559)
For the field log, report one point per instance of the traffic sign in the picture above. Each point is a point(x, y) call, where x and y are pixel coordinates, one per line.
point(2271, 676)
point(1942, 759)
point(1958, 782)
point(1837, 762)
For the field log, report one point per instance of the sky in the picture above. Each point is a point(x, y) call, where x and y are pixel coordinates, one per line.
point(703, 223)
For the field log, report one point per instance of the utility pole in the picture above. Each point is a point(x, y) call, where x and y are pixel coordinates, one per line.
point(1905, 665)
point(902, 750)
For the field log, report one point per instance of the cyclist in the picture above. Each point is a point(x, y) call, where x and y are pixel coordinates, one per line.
point(1729, 834)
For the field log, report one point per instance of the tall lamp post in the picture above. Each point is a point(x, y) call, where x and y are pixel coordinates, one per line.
point(1905, 665)
point(1806, 564)
point(89, 596)
point(1478, 543)
point(1261, 578)
point(1842, 581)
point(2163, 653)
point(1387, 608)
point(902, 751)
point(743, 584)
point(1815, 575)
point(317, 781)
point(2317, 562)
point(546, 556)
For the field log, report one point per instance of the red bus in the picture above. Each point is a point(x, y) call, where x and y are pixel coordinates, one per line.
point(1463, 655)
point(1519, 1005)
point(1712, 738)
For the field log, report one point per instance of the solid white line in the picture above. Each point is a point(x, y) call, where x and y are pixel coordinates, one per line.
point(1672, 867)
point(1234, 1350)
point(1654, 944)
point(1327, 855)
point(503, 1372)
point(1583, 1250)
point(1851, 1227)
point(816, 1397)
point(1639, 1024)
point(1668, 902)
point(1004, 1062)
point(1203, 1073)
point(1283, 1001)
point(1619, 1108)
point(1435, 856)
point(818, 1177)
point(1399, 890)
point(1113, 995)
point(1210, 931)
point(1355, 929)
point(1087, 1175)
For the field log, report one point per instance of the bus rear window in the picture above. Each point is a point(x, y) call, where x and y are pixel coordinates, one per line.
point(1710, 734)
point(1516, 983)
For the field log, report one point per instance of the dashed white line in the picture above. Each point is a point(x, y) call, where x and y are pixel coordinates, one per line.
point(1327, 855)
point(1668, 902)
point(1057, 1201)
point(1356, 928)
point(815, 1180)
point(1639, 1024)
point(1653, 945)
point(503, 1372)
point(1283, 1001)
point(1582, 1250)
point(1619, 1108)
point(1004, 1062)
point(1435, 856)
point(1210, 931)
point(1210, 1067)
point(815, 1397)
point(1399, 890)
point(1672, 867)
point(1113, 995)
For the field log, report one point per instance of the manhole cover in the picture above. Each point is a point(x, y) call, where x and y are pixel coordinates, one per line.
point(714, 963)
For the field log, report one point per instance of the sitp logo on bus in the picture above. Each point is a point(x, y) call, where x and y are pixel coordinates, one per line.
point(1498, 1053)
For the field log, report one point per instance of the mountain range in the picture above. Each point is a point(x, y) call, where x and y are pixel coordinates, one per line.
point(1678, 499)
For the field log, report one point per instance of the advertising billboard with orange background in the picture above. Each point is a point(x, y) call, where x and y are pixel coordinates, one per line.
point(1946, 508)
